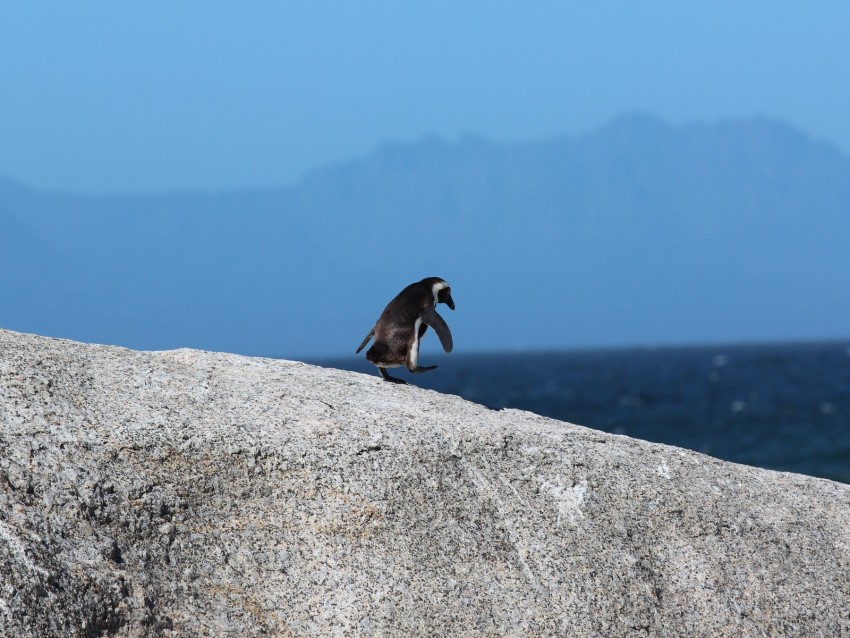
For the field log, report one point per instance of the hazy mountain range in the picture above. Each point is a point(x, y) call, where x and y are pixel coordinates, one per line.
point(638, 232)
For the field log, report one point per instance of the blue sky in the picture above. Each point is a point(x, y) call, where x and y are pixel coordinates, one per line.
point(103, 97)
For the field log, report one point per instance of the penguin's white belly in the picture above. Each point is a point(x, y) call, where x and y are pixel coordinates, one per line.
point(413, 355)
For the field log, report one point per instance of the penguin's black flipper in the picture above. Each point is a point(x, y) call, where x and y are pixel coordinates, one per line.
point(431, 318)
point(366, 340)
point(387, 377)
point(419, 369)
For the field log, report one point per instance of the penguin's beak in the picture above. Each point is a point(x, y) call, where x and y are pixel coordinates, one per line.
point(450, 302)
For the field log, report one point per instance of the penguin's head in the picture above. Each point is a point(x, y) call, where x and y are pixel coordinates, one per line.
point(441, 290)
point(445, 296)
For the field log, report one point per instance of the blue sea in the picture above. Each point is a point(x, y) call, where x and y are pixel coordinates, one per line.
point(779, 406)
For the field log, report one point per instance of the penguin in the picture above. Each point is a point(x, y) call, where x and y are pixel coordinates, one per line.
point(402, 324)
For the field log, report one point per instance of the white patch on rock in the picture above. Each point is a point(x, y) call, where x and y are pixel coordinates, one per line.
point(568, 500)
point(663, 470)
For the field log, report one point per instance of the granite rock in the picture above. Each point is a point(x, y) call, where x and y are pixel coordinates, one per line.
point(189, 493)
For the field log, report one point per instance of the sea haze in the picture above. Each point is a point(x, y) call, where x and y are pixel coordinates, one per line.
point(638, 232)
point(780, 406)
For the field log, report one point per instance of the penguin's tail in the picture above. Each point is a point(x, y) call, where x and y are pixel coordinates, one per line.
point(365, 341)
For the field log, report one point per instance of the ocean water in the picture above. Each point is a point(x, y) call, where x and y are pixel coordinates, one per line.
point(779, 406)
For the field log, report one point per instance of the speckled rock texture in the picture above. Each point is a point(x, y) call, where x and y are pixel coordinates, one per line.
point(190, 493)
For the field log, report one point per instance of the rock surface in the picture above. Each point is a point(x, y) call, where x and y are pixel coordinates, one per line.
point(190, 493)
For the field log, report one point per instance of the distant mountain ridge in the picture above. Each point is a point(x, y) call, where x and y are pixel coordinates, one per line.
point(638, 232)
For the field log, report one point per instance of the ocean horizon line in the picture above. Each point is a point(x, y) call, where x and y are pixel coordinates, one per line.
point(603, 348)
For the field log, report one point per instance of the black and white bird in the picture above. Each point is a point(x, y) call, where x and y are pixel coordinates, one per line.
point(403, 323)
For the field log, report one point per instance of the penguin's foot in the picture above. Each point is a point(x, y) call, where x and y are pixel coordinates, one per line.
point(419, 369)
point(387, 377)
